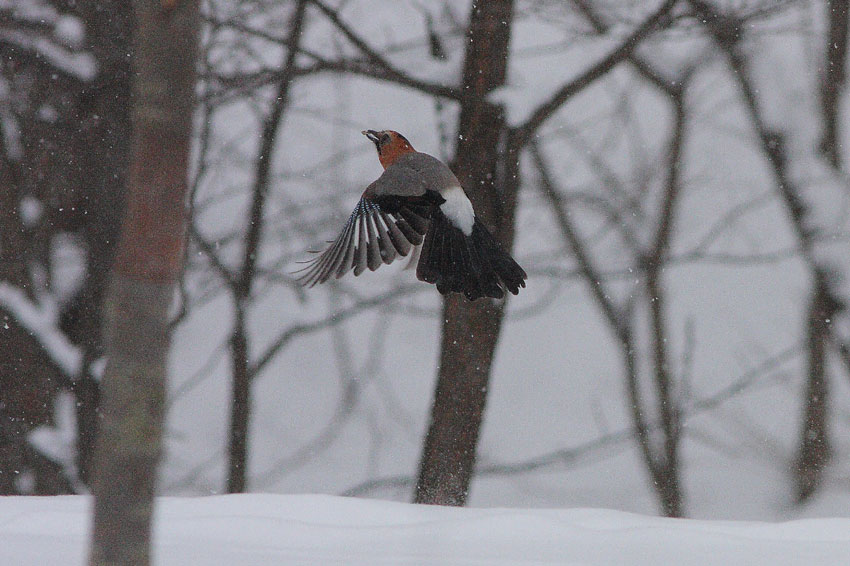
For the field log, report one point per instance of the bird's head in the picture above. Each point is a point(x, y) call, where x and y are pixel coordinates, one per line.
point(390, 145)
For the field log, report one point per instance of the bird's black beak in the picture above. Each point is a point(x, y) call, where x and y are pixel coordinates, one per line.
point(372, 135)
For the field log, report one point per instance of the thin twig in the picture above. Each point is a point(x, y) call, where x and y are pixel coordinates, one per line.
point(576, 85)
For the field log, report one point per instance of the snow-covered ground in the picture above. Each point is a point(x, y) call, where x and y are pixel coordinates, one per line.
point(344, 410)
point(242, 530)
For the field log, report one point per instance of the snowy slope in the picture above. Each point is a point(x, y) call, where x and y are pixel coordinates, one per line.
point(310, 529)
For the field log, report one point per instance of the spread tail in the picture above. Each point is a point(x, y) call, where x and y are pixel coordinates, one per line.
point(475, 265)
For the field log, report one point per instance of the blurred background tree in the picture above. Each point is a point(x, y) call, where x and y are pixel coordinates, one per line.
point(672, 175)
point(66, 127)
point(148, 262)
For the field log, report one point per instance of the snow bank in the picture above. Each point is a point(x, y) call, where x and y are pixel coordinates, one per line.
point(314, 529)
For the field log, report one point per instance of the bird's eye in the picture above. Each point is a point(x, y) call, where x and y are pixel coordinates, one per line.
point(385, 138)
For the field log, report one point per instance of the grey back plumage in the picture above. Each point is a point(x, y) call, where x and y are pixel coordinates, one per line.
point(413, 174)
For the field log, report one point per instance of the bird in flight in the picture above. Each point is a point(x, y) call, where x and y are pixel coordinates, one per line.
point(418, 201)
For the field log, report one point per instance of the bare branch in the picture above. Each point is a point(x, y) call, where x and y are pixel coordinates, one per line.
point(613, 315)
point(380, 66)
point(644, 67)
point(567, 91)
point(574, 455)
point(335, 318)
point(268, 140)
point(726, 30)
point(591, 274)
point(209, 250)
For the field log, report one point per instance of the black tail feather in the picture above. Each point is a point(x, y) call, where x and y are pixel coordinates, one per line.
point(442, 247)
point(457, 270)
point(474, 265)
point(472, 289)
point(509, 272)
point(427, 269)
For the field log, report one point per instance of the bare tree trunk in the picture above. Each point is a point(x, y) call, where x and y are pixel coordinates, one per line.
point(814, 449)
point(148, 263)
point(813, 453)
point(666, 478)
point(471, 330)
point(100, 152)
point(240, 408)
point(661, 462)
point(29, 380)
point(832, 81)
point(13, 262)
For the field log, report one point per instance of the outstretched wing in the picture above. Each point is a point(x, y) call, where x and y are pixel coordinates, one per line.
point(379, 230)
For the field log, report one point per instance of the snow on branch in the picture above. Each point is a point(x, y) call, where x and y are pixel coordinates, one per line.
point(538, 115)
point(39, 319)
point(81, 66)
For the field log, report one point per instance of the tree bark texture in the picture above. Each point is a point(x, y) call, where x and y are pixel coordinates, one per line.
point(240, 406)
point(29, 380)
point(471, 329)
point(148, 262)
point(815, 448)
point(100, 159)
point(664, 465)
point(833, 78)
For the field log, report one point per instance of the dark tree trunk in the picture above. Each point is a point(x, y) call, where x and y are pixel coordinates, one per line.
point(240, 405)
point(832, 81)
point(86, 390)
point(666, 470)
point(148, 262)
point(12, 271)
point(13, 260)
point(12, 437)
point(100, 157)
point(471, 330)
point(814, 449)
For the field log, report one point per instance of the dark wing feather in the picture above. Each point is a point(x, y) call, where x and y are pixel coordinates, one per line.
point(401, 244)
point(362, 242)
point(374, 247)
point(388, 252)
point(377, 232)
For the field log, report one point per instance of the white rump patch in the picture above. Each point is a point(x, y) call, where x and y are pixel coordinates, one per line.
point(458, 209)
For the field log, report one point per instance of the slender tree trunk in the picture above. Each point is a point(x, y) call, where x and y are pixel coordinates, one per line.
point(832, 81)
point(100, 156)
point(148, 263)
point(666, 476)
point(471, 330)
point(13, 262)
point(86, 390)
point(814, 449)
point(240, 407)
point(662, 462)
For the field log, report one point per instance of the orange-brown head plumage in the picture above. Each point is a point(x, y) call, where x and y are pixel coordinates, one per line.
point(390, 145)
